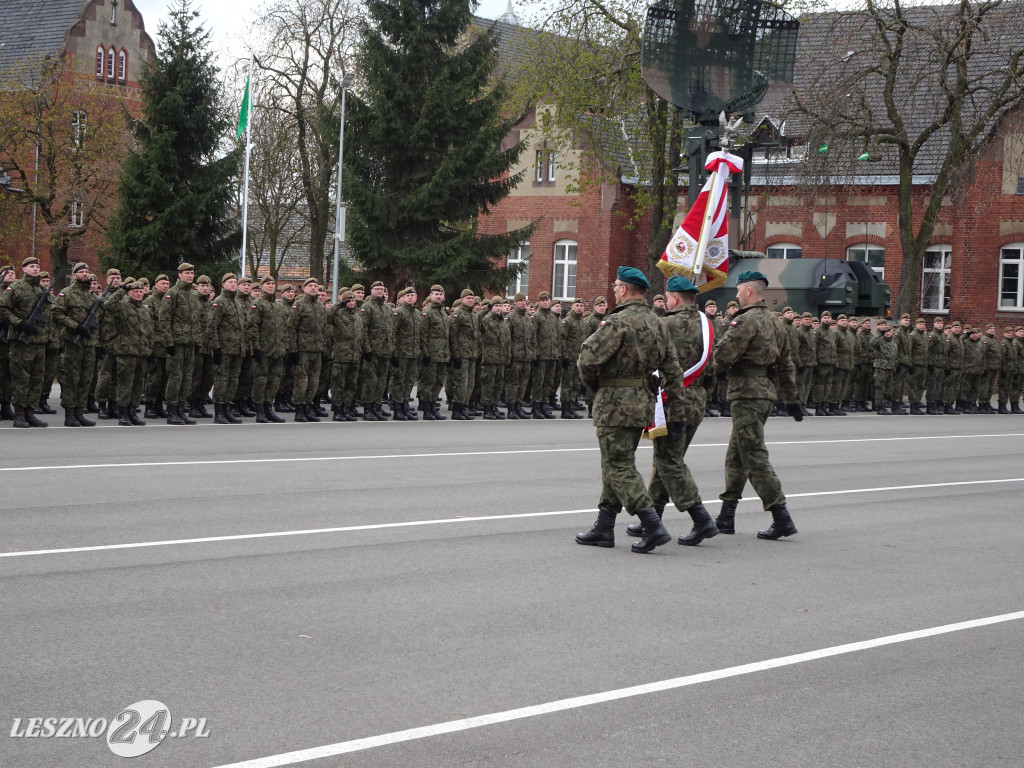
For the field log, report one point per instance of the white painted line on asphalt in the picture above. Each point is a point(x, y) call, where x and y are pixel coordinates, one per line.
point(446, 521)
point(370, 457)
point(577, 702)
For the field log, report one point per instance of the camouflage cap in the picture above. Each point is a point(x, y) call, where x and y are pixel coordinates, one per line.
point(160, 277)
point(112, 272)
point(466, 292)
point(842, 317)
point(29, 260)
point(732, 304)
point(543, 295)
point(919, 320)
point(44, 274)
point(600, 300)
point(267, 279)
point(245, 279)
point(404, 291)
point(358, 287)
point(495, 301)
point(185, 267)
point(806, 314)
point(346, 296)
point(309, 280)
point(229, 276)
point(825, 314)
point(519, 297)
point(905, 315)
point(143, 281)
point(287, 287)
point(884, 326)
point(658, 297)
point(1007, 329)
point(79, 267)
point(955, 323)
point(376, 284)
point(436, 287)
point(204, 280)
point(786, 309)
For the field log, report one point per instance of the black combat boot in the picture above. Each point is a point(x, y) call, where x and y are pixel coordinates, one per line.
point(1016, 408)
point(546, 411)
point(134, 418)
point(513, 411)
point(400, 414)
point(819, 409)
point(804, 411)
point(311, 413)
point(536, 413)
point(150, 411)
point(590, 411)
point(245, 407)
point(261, 414)
point(522, 412)
point(458, 414)
point(339, 412)
point(91, 406)
point(281, 405)
point(70, 420)
point(318, 408)
point(654, 532)
point(369, 414)
point(173, 417)
point(703, 526)
point(499, 415)
point(382, 413)
point(6, 411)
point(219, 417)
point(916, 410)
point(19, 418)
point(438, 416)
point(272, 417)
point(350, 412)
point(837, 410)
point(782, 524)
point(726, 410)
point(106, 410)
point(951, 411)
point(1003, 408)
point(44, 406)
point(726, 520)
point(123, 419)
point(193, 409)
point(410, 412)
point(84, 420)
point(569, 413)
point(898, 408)
point(300, 413)
point(489, 413)
point(161, 411)
point(883, 410)
point(603, 532)
point(30, 417)
point(637, 529)
point(428, 411)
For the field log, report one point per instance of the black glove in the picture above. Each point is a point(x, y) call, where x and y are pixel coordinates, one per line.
point(99, 353)
point(84, 332)
point(292, 358)
point(367, 357)
point(171, 350)
point(425, 360)
point(535, 363)
point(394, 361)
point(258, 355)
point(456, 362)
point(217, 356)
point(676, 431)
point(794, 410)
point(566, 362)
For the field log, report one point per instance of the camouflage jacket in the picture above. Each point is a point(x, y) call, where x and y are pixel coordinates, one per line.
point(1007, 356)
point(407, 331)
point(520, 327)
point(903, 343)
point(683, 326)
point(755, 342)
point(271, 326)
point(178, 316)
point(571, 336)
point(617, 361)
point(308, 319)
point(463, 334)
point(954, 352)
point(887, 353)
point(990, 353)
point(70, 309)
point(492, 332)
point(376, 333)
point(1018, 344)
point(846, 344)
point(17, 303)
point(937, 349)
point(348, 333)
point(545, 335)
point(434, 342)
point(134, 324)
point(808, 347)
point(227, 324)
point(918, 348)
point(205, 314)
point(825, 352)
point(972, 357)
point(152, 305)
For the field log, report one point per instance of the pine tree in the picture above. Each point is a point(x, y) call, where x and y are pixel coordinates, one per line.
point(423, 149)
point(175, 195)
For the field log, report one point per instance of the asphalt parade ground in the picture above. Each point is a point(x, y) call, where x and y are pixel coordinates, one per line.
point(410, 596)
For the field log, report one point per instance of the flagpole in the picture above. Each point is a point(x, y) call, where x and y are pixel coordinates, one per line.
point(248, 151)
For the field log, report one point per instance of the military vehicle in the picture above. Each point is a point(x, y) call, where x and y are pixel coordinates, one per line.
point(810, 285)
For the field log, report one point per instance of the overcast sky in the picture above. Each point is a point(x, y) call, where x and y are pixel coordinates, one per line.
point(229, 22)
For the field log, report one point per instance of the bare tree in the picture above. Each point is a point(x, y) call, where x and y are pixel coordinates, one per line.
point(919, 88)
point(308, 50)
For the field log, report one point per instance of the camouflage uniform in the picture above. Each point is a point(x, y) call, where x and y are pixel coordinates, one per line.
point(270, 326)
point(406, 333)
point(807, 361)
point(546, 345)
point(156, 367)
point(571, 336)
point(228, 335)
point(617, 362)
point(954, 371)
point(27, 358)
point(345, 355)
point(464, 338)
point(376, 353)
point(936, 369)
point(523, 354)
point(1018, 374)
point(70, 309)
point(178, 329)
point(1007, 370)
point(202, 370)
point(130, 346)
point(824, 373)
point(307, 322)
point(755, 344)
point(495, 349)
point(435, 352)
point(918, 378)
point(972, 374)
point(901, 378)
point(886, 360)
point(844, 366)
point(990, 366)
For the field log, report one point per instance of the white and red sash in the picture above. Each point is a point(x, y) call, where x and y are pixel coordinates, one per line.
point(690, 375)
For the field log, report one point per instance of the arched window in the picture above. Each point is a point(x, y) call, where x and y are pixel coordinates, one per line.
point(935, 270)
point(564, 287)
point(870, 254)
point(99, 63)
point(520, 255)
point(122, 66)
point(784, 251)
point(1011, 276)
point(111, 60)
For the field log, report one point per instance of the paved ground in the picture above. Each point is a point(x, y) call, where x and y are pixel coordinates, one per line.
point(388, 607)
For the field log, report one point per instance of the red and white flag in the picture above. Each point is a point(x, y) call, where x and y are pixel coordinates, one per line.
point(699, 250)
point(707, 332)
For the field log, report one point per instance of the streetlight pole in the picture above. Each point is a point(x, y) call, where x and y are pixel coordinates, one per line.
point(339, 209)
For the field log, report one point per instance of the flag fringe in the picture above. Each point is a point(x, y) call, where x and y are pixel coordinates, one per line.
point(715, 277)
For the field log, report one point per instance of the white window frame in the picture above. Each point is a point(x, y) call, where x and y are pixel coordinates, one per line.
point(786, 249)
point(866, 248)
point(1007, 260)
point(940, 277)
point(122, 66)
point(111, 55)
point(77, 214)
point(79, 122)
point(565, 288)
point(545, 165)
point(101, 60)
point(521, 284)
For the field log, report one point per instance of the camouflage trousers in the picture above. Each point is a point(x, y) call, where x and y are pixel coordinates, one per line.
point(916, 382)
point(156, 378)
point(840, 386)
point(804, 380)
point(202, 376)
point(131, 376)
point(403, 378)
point(492, 381)
point(622, 487)
point(180, 367)
point(1004, 387)
point(883, 387)
point(951, 389)
point(936, 383)
point(543, 381)
point(5, 372)
point(823, 377)
point(51, 368)
point(670, 477)
point(266, 378)
point(462, 381)
point(106, 377)
point(225, 378)
point(570, 381)
point(307, 376)
point(746, 458)
point(79, 365)
point(344, 377)
point(432, 375)
point(28, 364)
point(245, 376)
point(324, 383)
point(518, 376)
point(985, 383)
point(375, 375)
point(969, 387)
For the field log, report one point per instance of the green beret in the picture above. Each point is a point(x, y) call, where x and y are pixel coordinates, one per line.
point(749, 275)
point(678, 284)
point(436, 287)
point(79, 266)
point(160, 277)
point(633, 276)
point(185, 267)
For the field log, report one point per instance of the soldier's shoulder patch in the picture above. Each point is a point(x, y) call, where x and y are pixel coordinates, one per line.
point(734, 322)
point(455, 316)
point(215, 303)
point(60, 294)
point(603, 324)
point(424, 314)
point(9, 287)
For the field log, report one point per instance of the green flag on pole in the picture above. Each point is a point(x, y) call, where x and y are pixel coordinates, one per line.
point(243, 115)
point(821, 150)
point(864, 156)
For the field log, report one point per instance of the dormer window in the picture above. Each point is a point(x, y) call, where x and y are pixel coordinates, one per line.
point(113, 12)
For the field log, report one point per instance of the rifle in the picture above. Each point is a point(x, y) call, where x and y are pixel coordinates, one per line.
point(36, 317)
point(90, 323)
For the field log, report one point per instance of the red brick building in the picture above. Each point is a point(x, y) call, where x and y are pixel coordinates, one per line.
point(105, 43)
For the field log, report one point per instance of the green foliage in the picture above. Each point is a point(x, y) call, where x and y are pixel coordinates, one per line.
point(175, 192)
point(423, 149)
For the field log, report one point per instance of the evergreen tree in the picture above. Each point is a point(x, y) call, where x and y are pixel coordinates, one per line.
point(175, 192)
point(423, 149)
